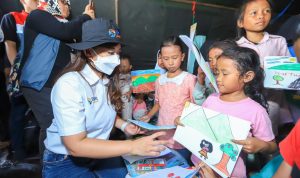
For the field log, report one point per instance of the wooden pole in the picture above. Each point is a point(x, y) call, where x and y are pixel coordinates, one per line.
point(205, 4)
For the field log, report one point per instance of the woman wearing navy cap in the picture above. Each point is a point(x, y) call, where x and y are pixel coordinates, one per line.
point(85, 101)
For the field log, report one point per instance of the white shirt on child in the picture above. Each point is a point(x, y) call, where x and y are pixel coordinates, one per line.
point(270, 45)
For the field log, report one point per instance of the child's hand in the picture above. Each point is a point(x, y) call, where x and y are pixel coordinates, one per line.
point(128, 95)
point(251, 144)
point(205, 171)
point(177, 121)
point(145, 118)
point(132, 129)
point(201, 76)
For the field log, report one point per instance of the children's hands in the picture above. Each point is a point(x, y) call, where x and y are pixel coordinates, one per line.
point(128, 95)
point(201, 76)
point(177, 121)
point(145, 118)
point(149, 145)
point(205, 171)
point(251, 144)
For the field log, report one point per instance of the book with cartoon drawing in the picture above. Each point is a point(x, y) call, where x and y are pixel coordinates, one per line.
point(212, 133)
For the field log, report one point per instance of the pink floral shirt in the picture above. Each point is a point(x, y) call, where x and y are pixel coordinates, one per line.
point(171, 95)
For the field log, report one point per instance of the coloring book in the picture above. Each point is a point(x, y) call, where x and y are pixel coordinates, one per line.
point(208, 134)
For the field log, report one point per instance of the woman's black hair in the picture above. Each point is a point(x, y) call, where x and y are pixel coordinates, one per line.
point(240, 17)
point(170, 41)
point(247, 59)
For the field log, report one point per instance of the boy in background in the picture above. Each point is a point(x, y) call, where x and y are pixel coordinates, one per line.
point(125, 86)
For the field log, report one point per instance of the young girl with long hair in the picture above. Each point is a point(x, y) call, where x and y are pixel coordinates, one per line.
point(240, 82)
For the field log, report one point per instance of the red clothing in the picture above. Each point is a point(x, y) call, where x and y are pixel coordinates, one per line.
point(290, 147)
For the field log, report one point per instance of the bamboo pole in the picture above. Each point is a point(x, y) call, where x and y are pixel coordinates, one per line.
point(205, 4)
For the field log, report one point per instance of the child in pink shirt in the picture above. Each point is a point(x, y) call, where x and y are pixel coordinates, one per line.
point(172, 90)
point(253, 19)
point(240, 82)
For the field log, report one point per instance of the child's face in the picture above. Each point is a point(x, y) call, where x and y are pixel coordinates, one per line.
point(228, 77)
point(213, 55)
point(125, 66)
point(172, 57)
point(257, 16)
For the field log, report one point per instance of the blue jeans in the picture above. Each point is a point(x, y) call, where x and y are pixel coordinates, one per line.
point(63, 166)
point(186, 154)
point(17, 123)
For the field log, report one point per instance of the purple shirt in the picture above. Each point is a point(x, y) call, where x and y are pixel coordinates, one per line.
point(246, 109)
point(270, 45)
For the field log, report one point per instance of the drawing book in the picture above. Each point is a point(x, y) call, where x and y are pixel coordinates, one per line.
point(144, 80)
point(146, 125)
point(208, 134)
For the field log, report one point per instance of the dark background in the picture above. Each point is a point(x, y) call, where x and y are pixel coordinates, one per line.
point(145, 23)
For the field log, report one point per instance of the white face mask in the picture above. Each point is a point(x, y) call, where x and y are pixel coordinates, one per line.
point(106, 64)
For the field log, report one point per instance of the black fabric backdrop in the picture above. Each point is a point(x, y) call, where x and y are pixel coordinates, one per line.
point(145, 23)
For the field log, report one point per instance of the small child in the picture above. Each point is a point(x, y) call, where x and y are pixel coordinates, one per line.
point(172, 90)
point(139, 108)
point(240, 82)
point(203, 88)
point(254, 17)
point(125, 86)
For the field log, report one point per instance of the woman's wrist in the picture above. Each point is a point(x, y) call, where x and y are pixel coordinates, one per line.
point(123, 126)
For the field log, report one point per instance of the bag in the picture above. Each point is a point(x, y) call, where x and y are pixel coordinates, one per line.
point(40, 62)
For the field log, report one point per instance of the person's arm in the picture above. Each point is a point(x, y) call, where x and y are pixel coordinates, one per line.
point(263, 137)
point(11, 50)
point(80, 146)
point(126, 127)
point(255, 145)
point(199, 94)
point(45, 23)
point(8, 25)
point(284, 171)
point(284, 51)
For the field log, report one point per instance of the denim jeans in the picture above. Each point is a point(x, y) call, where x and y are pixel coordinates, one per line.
point(186, 154)
point(16, 125)
point(62, 166)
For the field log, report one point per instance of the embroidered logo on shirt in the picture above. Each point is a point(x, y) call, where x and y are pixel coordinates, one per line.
point(92, 100)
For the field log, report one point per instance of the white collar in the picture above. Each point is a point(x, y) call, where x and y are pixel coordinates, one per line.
point(163, 79)
point(91, 77)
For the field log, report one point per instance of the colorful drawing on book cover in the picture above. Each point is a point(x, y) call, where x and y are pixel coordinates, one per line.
point(206, 147)
point(282, 72)
point(144, 80)
point(228, 153)
point(212, 133)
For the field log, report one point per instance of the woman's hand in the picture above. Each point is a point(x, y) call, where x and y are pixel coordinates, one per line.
point(149, 145)
point(177, 121)
point(89, 10)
